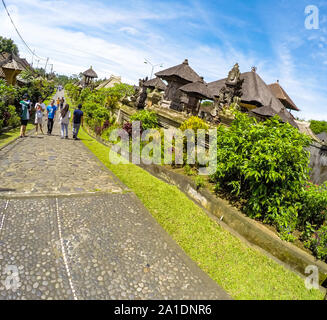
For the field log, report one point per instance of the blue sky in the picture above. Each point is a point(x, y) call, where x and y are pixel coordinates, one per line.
point(115, 37)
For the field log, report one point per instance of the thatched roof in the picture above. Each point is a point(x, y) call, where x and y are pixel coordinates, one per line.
point(199, 89)
point(182, 71)
point(283, 97)
point(155, 83)
point(11, 61)
point(110, 82)
point(256, 92)
point(283, 113)
point(90, 73)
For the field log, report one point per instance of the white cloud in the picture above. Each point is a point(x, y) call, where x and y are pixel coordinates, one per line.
point(129, 30)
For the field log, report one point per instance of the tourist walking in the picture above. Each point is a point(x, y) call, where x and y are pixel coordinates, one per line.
point(25, 115)
point(39, 109)
point(62, 103)
point(64, 121)
point(58, 103)
point(51, 111)
point(77, 121)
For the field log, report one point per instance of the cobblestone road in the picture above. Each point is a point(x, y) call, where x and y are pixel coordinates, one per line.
point(70, 230)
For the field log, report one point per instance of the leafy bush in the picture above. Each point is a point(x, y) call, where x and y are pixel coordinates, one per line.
point(318, 126)
point(194, 123)
point(106, 133)
point(266, 164)
point(199, 182)
point(14, 119)
point(318, 243)
point(148, 119)
point(314, 205)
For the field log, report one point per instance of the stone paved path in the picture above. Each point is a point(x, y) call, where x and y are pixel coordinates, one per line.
point(70, 230)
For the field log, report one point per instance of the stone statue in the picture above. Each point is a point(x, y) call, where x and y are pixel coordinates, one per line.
point(234, 75)
point(230, 94)
point(142, 95)
point(155, 97)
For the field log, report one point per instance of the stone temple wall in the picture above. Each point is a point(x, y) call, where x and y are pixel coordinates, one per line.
point(318, 163)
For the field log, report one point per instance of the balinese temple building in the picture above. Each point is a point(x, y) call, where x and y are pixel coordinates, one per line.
point(177, 77)
point(88, 78)
point(282, 96)
point(255, 96)
point(186, 89)
point(194, 93)
point(155, 83)
point(10, 67)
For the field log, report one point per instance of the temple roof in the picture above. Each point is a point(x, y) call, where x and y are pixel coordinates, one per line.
point(256, 92)
point(283, 113)
point(199, 89)
point(284, 98)
point(155, 83)
point(183, 71)
point(90, 73)
point(11, 61)
point(110, 82)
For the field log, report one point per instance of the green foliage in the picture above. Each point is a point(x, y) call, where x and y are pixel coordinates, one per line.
point(314, 205)
point(199, 182)
point(318, 243)
point(318, 126)
point(148, 119)
point(106, 133)
point(207, 103)
point(8, 45)
point(14, 119)
point(266, 164)
point(98, 105)
point(194, 123)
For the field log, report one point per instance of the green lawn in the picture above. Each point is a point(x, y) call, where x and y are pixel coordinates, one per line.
point(12, 134)
point(243, 272)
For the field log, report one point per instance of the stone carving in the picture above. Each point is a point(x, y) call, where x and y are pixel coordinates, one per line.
point(234, 75)
point(230, 94)
point(139, 98)
point(155, 97)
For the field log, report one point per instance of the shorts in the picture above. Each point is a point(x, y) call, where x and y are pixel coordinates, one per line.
point(38, 120)
point(24, 122)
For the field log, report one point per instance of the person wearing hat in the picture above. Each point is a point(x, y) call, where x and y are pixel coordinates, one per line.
point(25, 115)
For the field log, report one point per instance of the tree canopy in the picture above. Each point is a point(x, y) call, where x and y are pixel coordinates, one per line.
point(8, 45)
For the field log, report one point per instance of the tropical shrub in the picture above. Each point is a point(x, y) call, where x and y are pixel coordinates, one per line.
point(314, 205)
point(318, 126)
point(14, 119)
point(148, 119)
point(318, 243)
point(266, 164)
point(106, 132)
point(194, 123)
